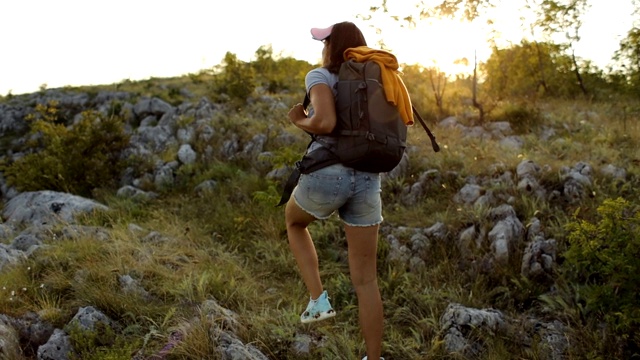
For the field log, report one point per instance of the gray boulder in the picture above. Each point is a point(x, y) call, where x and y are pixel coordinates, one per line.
point(506, 233)
point(47, 207)
point(87, 317)
point(9, 255)
point(9, 342)
point(458, 321)
point(57, 348)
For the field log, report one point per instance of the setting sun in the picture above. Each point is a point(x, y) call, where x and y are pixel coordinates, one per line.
point(448, 44)
point(444, 44)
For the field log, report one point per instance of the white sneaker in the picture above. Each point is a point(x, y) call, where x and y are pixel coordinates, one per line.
point(318, 309)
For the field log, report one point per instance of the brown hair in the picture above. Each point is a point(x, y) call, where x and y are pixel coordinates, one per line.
point(343, 36)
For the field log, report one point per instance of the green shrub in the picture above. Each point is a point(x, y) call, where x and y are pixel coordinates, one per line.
point(101, 343)
point(603, 258)
point(277, 73)
point(523, 117)
point(235, 80)
point(75, 159)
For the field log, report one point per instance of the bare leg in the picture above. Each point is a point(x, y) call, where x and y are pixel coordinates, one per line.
point(302, 247)
point(363, 245)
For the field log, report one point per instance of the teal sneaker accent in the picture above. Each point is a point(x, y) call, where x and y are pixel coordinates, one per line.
point(318, 309)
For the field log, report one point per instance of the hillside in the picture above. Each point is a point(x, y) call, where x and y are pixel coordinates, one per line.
point(139, 222)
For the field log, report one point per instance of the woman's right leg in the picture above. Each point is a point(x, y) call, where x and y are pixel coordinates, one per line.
point(302, 247)
point(363, 247)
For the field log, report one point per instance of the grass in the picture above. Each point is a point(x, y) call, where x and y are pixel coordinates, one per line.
point(230, 246)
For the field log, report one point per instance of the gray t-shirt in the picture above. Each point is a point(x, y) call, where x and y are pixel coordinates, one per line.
point(320, 76)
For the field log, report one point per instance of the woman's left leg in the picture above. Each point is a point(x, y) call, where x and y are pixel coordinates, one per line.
point(363, 245)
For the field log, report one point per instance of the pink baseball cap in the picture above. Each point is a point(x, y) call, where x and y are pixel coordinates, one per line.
point(321, 33)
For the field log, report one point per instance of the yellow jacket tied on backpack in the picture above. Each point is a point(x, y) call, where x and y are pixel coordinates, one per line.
point(394, 88)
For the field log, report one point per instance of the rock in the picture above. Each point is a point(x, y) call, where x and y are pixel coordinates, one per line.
point(187, 155)
point(47, 207)
point(57, 347)
point(539, 258)
point(9, 342)
point(87, 317)
point(206, 186)
point(468, 194)
point(457, 321)
point(9, 256)
point(613, 172)
point(135, 194)
point(231, 348)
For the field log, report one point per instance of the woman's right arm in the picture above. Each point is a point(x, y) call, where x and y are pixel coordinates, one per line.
point(324, 112)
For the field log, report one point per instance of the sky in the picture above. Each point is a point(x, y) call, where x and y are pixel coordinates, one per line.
point(47, 43)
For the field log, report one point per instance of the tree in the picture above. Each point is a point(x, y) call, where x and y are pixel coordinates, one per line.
point(529, 70)
point(564, 16)
point(277, 73)
point(468, 9)
point(264, 61)
point(628, 57)
point(438, 81)
point(421, 82)
point(237, 78)
point(476, 103)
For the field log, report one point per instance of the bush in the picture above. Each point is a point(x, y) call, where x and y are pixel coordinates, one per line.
point(235, 80)
point(76, 159)
point(524, 118)
point(603, 258)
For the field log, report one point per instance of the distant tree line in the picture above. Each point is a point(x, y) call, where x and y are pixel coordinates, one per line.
point(529, 70)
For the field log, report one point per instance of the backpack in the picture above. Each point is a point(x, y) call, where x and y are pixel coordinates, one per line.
point(371, 135)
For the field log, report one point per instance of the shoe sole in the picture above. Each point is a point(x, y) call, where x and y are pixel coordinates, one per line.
point(331, 313)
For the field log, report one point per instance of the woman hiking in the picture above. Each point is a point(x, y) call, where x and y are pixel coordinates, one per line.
point(355, 195)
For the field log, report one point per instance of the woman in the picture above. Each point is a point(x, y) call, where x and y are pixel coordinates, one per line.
point(354, 194)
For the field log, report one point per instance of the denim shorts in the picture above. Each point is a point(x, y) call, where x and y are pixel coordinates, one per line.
point(354, 194)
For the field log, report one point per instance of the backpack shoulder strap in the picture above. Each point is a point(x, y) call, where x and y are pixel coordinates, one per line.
point(305, 104)
point(306, 101)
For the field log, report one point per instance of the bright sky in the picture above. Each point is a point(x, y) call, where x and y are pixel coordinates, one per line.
point(91, 42)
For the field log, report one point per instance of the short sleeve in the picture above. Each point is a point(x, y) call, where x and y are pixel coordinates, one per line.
point(320, 76)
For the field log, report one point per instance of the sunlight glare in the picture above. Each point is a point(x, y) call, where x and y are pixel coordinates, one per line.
point(445, 44)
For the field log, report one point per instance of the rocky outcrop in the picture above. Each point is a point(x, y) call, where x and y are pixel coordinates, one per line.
point(461, 326)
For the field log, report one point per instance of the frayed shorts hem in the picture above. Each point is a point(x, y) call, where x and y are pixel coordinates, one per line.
point(310, 212)
point(361, 225)
point(328, 216)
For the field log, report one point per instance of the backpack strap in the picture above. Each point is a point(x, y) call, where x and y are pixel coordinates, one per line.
point(307, 101)
point(434, 144)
